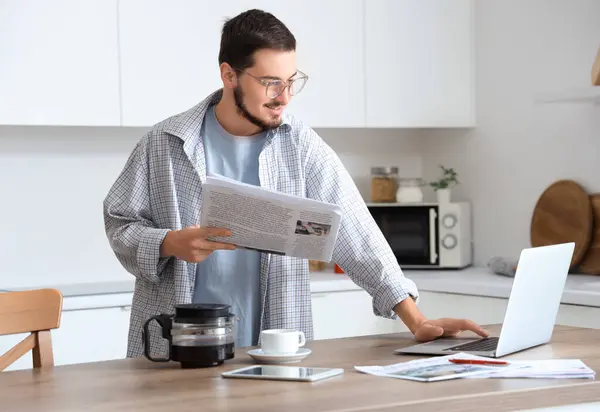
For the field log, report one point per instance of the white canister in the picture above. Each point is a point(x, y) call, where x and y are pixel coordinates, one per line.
point(409, 190)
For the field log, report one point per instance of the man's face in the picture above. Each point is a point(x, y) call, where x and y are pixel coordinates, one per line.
point(250, 94)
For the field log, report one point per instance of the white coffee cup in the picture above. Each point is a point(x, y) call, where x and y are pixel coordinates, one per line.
point(281, 341)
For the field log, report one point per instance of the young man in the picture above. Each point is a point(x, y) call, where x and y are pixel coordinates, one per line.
point(241, 131)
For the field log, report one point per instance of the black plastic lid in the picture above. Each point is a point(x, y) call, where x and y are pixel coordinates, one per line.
point(200, 311)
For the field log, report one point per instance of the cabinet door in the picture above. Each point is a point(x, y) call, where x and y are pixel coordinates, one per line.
point(7, 342)
point(91, 335)
point(480, 309)
point(578, 316)
point(488, 311)
point(59, 62)
point(88, 335)
point(419, 63)
point(169, 57)
point(330, 50)
point(346, 314)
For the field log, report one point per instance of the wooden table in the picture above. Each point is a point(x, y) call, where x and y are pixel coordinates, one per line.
point(140, 385)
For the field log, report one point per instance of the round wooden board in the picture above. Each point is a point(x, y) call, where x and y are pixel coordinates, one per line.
point(590, 264)
point(563, 213)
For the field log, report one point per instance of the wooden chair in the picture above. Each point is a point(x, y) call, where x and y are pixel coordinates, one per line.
point(35, 311)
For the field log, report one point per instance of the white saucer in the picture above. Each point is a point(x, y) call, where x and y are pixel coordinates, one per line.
point(258, 355)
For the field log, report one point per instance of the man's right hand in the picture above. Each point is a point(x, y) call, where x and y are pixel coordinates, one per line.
point(191, 243)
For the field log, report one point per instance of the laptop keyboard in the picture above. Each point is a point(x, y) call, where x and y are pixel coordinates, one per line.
point(481, 345)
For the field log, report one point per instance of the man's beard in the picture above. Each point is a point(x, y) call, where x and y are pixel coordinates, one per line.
point(238, 96)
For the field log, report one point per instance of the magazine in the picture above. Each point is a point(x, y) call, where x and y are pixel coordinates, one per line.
point(269, 221)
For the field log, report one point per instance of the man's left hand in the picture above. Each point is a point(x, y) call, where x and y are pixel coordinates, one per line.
point(446, 327)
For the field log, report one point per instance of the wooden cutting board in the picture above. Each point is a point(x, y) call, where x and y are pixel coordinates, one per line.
point(590, 264)
point(563, 213)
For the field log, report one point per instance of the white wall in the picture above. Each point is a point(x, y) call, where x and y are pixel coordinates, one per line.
point(359, 149)
point(518, 147)
point(53, 181)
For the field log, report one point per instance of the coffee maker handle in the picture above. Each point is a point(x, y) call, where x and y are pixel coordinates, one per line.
point(165, 322)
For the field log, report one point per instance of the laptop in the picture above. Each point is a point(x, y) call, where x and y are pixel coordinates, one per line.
point(531, 311)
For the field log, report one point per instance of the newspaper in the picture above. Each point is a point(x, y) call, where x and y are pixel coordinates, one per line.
point(546, 369)
point(269, 221)
point(440, 368)
point(437, 368)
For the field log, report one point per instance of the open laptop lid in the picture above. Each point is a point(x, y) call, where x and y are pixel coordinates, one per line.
point(531, 310)
point(535, 297)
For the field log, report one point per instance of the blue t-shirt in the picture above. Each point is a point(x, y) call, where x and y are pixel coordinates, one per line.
point(232, 276)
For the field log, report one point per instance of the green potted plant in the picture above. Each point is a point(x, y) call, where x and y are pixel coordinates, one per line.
point(443, 185)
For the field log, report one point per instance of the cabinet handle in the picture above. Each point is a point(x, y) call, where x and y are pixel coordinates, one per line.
point(125, 308)
point(320, 294)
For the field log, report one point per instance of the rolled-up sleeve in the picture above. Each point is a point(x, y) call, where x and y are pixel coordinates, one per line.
point(361, 250)
point(131, 232)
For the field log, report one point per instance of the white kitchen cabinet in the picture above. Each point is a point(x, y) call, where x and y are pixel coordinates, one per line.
point(87, 335)
point(482, 310)
point(375, 63)
point(92, 335)
point(487, 310)
point(169, 57)
point(579, 316)
point(330, 50)
point(342, 314)
point(59, 63)
point(348, 313)
point(6, 343)
point(419, 63)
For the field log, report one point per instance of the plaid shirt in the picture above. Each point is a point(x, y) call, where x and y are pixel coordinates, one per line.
point(160, 189)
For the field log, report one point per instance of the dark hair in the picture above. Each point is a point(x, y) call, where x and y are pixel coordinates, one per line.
point(249, 32)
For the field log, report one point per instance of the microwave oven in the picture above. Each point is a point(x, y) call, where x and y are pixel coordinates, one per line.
point(427, 235)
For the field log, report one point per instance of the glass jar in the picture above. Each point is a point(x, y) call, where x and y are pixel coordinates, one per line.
point(316, 265)
point(409, 190)
point(384, 184)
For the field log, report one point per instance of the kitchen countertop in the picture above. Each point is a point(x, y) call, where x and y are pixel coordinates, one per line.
point(90, 295)
point(139, 384)
point(80, 288)
point(581, 290)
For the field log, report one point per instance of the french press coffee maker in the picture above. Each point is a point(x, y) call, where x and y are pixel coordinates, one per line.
point(199, 335)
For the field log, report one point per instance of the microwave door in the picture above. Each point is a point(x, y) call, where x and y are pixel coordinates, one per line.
point(412, 233)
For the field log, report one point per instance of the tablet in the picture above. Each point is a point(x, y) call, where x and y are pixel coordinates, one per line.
point(284, 373)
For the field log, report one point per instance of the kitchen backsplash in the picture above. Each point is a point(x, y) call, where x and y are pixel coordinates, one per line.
point(519, 147)
point(55, 178)
point(360, 149)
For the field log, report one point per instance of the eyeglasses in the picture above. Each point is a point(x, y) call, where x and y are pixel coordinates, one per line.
point(274, 87)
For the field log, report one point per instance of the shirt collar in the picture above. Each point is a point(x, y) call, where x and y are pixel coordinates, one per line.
point(187, 125)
